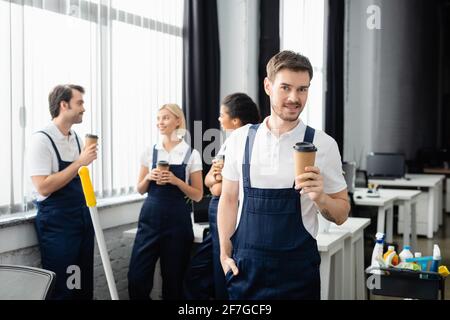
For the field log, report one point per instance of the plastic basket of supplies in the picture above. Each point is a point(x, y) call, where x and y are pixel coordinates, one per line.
point(404, 283)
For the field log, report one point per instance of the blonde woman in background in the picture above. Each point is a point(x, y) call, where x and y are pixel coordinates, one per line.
point(165, 226)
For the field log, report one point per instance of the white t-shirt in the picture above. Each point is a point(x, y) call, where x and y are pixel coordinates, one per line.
point(272, 164)
point(223, 148)
point(41, 156)
point(175, 156)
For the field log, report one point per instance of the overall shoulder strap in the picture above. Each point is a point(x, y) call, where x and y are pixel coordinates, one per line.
point(53, 144)
point(309, 134)
point(248, 154)
point(154, 157)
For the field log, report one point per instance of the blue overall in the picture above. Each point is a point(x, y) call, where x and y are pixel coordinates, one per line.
point(165, 232)
point(220, 288)
point(276, 256)
point(66, 237)
point(199, 281)
point(205, 278)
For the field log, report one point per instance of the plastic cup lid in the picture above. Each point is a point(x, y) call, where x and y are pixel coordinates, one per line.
point(305, 147)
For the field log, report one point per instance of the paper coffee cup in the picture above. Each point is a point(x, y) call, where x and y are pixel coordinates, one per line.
point(162, 166)
point(219, 159)
point(304, 156)
point(90, 139)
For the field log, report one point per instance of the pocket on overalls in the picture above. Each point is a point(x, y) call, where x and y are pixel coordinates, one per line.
point(275, 223)
point(235, 285)
point(228, 276)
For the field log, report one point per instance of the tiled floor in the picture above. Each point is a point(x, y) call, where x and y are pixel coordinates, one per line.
point(425, 245)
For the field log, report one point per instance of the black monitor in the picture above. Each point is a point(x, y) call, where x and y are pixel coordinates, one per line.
point(385, 165)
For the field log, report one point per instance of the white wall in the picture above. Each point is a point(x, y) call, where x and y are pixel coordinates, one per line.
point(360, 75)
point(239, 46)
point(388, 80)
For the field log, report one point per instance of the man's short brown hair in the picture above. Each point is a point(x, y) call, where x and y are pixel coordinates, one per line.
point(61, 93)
point(288, 60)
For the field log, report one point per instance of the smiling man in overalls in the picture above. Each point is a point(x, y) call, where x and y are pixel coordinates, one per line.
point(63, 222)
point(267, 217)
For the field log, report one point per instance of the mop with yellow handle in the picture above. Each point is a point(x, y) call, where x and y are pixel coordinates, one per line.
point(91, 202)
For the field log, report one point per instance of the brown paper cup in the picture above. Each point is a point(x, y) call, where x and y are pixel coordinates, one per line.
point(90, 139)
point(219, 160)
point(304, 156)
point(162, 166)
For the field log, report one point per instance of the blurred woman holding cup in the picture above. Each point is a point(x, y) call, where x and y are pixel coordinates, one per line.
point(205, 278)
point(170, 171)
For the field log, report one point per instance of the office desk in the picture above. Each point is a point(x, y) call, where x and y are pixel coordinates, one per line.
point(446, 172)
point(385, 204)
point(430, 223)
point(406, 200)
point(331, 247)
point(354, 279)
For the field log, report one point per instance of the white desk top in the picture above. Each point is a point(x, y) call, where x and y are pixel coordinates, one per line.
point(360, 197)
point(327, 241)
point(399, 194)
point(352, 225)
point(198, 232)
point(131, 233)
point(416, 180)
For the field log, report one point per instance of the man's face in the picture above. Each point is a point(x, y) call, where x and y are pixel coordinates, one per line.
point(75, 108)
point(288, 93)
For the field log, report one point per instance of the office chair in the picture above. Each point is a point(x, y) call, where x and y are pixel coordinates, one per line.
point(25, 283)
point(361, 180)
point(349, 172)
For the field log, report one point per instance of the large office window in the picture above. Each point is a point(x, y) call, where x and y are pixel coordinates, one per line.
point(303, 28)
point(127, 55)
point(150, 50)
point(5, 104)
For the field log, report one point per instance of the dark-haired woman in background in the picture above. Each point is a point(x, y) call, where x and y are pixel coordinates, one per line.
point(205, 278)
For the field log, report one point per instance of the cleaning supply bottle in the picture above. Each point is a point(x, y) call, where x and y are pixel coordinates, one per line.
point(436, 258)
point(378, 249)
point(391, 257)
point(419, 255)
point(405, 254)
point(443, 271)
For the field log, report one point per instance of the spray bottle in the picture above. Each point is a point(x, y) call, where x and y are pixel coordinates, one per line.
point(377, 253)
point(436, 259)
